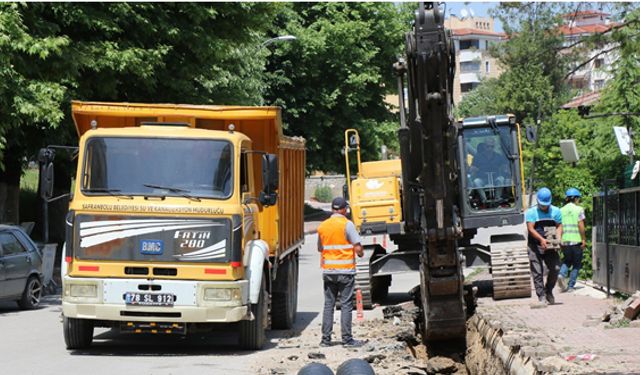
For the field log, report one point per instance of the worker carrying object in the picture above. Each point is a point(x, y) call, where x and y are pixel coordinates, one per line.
point(574, 240)
point(338, 243)
point(541, 218)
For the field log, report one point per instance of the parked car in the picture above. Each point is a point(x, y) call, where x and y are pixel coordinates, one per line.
point(20, 268)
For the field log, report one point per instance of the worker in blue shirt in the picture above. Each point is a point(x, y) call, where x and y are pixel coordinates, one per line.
point(540, 217)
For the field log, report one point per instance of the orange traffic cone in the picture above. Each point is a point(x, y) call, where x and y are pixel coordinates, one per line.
point(359, 308)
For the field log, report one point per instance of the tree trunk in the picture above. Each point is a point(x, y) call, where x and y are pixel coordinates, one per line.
point(10, 188)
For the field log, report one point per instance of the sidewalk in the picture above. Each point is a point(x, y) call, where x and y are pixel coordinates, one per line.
point(560, 338)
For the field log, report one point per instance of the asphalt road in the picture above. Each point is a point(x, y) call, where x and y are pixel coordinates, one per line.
point(31, 342)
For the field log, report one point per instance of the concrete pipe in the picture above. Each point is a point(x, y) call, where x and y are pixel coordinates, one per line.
point(355, 366)
point(315, 368)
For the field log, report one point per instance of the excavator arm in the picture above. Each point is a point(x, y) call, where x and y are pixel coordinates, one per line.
point(427, 138)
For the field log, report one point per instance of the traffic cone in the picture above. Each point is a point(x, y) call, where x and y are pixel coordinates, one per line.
point(359, 308)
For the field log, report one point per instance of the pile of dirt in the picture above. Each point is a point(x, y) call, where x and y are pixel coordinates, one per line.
point(392, 347)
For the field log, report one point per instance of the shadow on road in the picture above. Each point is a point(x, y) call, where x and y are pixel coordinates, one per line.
point(113, 343)
point(8, 307)
point(110, 342)
point(396, 298)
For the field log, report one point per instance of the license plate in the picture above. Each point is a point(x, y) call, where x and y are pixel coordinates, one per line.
point(149, 299)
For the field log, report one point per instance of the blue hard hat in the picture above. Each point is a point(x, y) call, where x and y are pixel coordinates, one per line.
point(544, 196)
point(573, 192)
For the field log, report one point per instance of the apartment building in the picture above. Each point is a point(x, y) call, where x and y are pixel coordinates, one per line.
point(472, 37)
point(597, 72)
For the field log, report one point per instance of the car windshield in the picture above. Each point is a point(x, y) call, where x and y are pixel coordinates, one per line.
point(158, 167)
point(489, 171)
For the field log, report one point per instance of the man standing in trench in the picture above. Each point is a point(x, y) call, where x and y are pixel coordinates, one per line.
point(539, 219)
point(338, 243)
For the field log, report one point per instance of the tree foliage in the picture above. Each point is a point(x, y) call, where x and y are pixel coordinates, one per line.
point(336, 76)
point(183, 52)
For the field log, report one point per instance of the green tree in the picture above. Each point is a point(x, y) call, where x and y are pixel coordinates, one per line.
point(182, 52)
point(337, 75)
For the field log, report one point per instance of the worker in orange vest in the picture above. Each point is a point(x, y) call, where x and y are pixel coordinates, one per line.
point(338, 244)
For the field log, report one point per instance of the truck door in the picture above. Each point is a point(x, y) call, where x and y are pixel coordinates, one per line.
point(16, 263)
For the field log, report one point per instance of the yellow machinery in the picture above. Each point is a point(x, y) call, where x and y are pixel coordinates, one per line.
point(374, 198)
point(182, 217)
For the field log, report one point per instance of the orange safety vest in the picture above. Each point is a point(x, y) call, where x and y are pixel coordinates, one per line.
point(337, 251)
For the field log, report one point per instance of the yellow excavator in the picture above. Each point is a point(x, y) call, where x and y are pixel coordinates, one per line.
point(374, 197)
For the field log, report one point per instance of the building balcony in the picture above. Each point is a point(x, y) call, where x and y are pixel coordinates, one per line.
point(469, 78)
point(469, 55)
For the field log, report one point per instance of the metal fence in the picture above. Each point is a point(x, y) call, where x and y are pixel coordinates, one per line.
point(618, 242)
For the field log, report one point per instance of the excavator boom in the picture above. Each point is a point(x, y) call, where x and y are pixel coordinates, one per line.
point(430, 173)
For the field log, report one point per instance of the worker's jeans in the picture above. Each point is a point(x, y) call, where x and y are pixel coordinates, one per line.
point(343, 284)
point(537, 261)
point(572, 259)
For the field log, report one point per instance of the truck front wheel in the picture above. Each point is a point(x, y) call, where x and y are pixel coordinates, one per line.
point(252, 332)
point(78, 333)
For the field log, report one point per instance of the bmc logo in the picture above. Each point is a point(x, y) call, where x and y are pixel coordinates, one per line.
point(151, 247)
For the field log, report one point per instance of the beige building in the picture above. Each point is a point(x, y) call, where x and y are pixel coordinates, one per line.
point(593, 75)
point(472, 37)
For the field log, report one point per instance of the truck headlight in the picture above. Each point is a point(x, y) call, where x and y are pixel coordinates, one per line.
point(83, 290)
point(221, 294)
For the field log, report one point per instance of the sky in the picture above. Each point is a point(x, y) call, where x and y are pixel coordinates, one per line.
point(480, 9)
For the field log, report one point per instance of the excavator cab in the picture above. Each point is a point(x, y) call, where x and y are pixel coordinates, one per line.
point(490, 171)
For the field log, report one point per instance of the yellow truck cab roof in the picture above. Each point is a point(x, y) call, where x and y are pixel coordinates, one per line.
point(262, 124)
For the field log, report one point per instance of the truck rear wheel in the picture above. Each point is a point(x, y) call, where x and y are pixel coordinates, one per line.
point(284, 300)
point(252, 332)
point(78, 333)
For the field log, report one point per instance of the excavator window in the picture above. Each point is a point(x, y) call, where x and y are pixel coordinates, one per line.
point(489, 170)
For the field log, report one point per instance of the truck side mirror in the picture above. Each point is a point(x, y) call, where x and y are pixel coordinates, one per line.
point(270, 178)
point(45, 158)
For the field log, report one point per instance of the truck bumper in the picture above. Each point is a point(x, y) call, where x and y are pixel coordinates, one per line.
point(106, 300)
point(211, 314)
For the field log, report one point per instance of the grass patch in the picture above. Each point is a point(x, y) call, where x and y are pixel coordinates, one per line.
point(622, 323)
point(323, 194)
point(29, 206)
point(476, 271)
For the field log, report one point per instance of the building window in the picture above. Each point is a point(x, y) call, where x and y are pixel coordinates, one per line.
point(598, 84)
point(466, 87)
point(599, 63)
point(470, 66)
point(486, 45)
point(486, 67)
point(470, 43)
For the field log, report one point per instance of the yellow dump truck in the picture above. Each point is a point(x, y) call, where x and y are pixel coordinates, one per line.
point(182, 217)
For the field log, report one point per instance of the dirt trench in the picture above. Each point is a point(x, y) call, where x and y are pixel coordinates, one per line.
point(393, 347)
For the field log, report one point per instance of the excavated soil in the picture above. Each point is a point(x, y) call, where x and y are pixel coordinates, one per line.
point(392, 348)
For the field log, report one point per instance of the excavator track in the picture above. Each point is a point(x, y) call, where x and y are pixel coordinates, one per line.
point(363, 280)
point(510, 269)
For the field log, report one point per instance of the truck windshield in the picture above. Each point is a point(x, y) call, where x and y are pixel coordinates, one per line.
point(158, 167)
point(489, 170)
